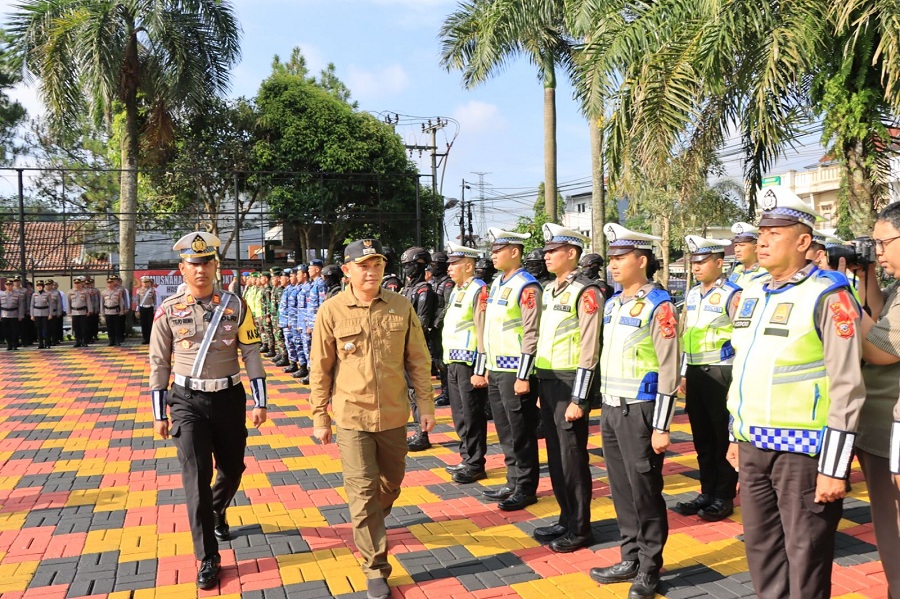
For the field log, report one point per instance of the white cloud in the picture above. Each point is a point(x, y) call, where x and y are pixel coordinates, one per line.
point(379, 84)
point(476, 117)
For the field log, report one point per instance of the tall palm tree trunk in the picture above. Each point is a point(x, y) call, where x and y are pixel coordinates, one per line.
point(598, 189)
point(550, 191)
point(862, 190)
point(128, 193)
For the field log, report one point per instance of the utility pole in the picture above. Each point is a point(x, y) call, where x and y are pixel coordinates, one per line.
point(466, 240)
point(481, 216)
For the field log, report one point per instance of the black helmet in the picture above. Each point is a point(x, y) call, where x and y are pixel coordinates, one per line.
point(591, 260)
point(484, 270)
point(332, 273)
point(440, 257)
point(535, 255)
point(389, 253)
point(414, 254)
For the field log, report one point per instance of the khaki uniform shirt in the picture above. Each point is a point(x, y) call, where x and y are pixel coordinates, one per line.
point(179, 326)
point(80, 303)
point(114, 301)
point(145, 298)
point(360, 355)
point(95, 299)
point(882, 404)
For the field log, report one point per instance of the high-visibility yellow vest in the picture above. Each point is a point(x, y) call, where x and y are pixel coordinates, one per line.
point(458, 333)
point(779, 396)
point(503, 328)
point(629, 367)
point(706, 338)
point(742, 277)
point(559, 338)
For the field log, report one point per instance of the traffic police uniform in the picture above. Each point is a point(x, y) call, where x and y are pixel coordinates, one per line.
point(740, 275)
point(145, 300)
point(12, 312)
point(114, 307)
point(81, 307)
point(459, 346)
point(507, 321)
point(639, 379)
point(568, 351)
point(706, 367)
point(197, 340)
point(794, 400)
point(42, 313)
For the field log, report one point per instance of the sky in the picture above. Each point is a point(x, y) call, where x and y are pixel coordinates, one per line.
point(388, 53)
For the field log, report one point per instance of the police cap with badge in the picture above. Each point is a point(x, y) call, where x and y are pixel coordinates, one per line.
point(744, 233)
point(197, 247)
point(623, 241)
point(556, 236)
point(702, 248)
point(783, 208)
point(456, 252)
point(500, 238)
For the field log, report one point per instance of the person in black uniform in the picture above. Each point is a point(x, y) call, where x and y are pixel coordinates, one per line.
point(443, 286)
point(332, 276)
point(535, 265)
point(485, 271)
point(425, 302)
point(592, 267)
point(390, 280)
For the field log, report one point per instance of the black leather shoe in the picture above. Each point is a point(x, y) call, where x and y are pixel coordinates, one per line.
point(220, 527)
point(277, 358)
point(418, 442)
point(208, 576)
point(304, 380)
point(545, 534)
point(299, 374)
point(441, 400)
point(517, 501)
point(292, 368)
point(282, 362)
point(717, 510)
point(270, 353)
point(644, 586)
point(690, 508)
point(465, 477)
point(454, 469)
point(621, 572)
point(498, 494)
point(570, 543)
point(305, 370)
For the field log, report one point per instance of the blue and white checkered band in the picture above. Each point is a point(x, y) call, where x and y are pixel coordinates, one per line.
point(715, 249)
point(462, 355)
point(786, 439)
point(818, 239)
point(790, 214)
point(511, 362)
point(566, 239)
point(508, 241)
point(640, 244)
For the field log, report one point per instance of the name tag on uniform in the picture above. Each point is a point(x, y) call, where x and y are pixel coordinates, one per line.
point(631, 322)
point(562, 308)
point(717, 309)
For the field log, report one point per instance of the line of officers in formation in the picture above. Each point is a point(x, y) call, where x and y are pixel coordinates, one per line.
point(36, 314)
point(769, 359)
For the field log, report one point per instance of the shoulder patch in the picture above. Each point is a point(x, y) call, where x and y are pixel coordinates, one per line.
point(665, 318)
point(589, 298)
point(844, 315)
point(528, 299)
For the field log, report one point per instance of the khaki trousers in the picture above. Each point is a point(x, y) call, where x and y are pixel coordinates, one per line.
point(374, 464)
point(884, 498)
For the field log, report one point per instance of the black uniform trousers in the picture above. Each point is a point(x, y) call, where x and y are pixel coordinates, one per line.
point(115, 325)
point(56, 330)
point(567, 456)
point(207, 425)
point(789, 538)
point(42, 328)
point(27, 331)
point(707, 410)
point(467, 408)
point(11, 332)
point(146, 323)
point(635, 482)
point(516, 419)
point(93, 327)
point(80, 325)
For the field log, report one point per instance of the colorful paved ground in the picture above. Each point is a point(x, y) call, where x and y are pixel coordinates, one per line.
point(91, 505)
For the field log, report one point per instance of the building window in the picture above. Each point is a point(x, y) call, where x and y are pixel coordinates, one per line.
point(581, 207)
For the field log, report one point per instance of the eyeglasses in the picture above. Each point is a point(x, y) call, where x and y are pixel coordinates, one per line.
point(880, 244)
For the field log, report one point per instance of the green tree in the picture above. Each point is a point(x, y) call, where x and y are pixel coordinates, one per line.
point(327, 79)
point(481, 36)
point(12, 114)
point(108, 56)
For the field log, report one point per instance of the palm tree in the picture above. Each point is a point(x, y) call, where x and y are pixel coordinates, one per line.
point(111, 56)
point(483, 35)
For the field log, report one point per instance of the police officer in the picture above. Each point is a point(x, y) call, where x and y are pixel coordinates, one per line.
point(281, 324)
point(332, 276)
point(300, 325)
point(12, 313)
point(443, 286)
point(706, 374)
point(485, 271)
point(196, 337)
point(507, 342)
point(290, 313)
point(639, 379)
point(92, 330)
point(536, 267)
point(145, 300)
point(58, 310)
point(315, 295)
point(280, 278)
point(568, 351)
point(81, 306)
point(746, 266)
point(26, 327)
point(391, 281)
point(425, 303)
point(114, 307)
point(794, 400)
point(459, 350)
point(42, 314)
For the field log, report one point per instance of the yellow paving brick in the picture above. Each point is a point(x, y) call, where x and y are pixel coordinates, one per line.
point(8, 483)
point(255, 481)
point(602, 509)
point(15, 577)
point(416, 496)
point(165, 452)
point(176, 591)
point(676, 484)
point(399, 575)
point(99, 541)
point(171, 544)
point(545, 507)
point(99, 466)
point(112, 499)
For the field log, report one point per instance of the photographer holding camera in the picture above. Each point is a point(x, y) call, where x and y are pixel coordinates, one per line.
point(878, 440)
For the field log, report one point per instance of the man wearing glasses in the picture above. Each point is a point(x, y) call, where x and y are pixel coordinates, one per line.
point(878, 440)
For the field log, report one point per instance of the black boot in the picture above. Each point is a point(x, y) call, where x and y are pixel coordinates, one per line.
point(304, 369)
point(418, 442)
point(292, 368)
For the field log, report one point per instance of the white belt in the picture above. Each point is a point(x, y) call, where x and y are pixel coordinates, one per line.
point(207, 385)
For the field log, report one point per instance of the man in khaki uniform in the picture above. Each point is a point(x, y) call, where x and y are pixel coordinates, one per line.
point(81, 307)
point(93, 320)
point(202, 328)
point(12, 312)
point(145, 304)
point(115, 305)
point(363, 330)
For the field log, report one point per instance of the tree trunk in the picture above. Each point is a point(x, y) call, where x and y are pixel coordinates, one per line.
point(862, 195)
point(598, 189)
point(128, 194)
point(550, 191)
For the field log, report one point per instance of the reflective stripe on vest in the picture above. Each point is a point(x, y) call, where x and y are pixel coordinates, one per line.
point(559, 338)
point(629, 365)
point(503, 328)
point(707, 328)
point(779, 396)
point(458, 333)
